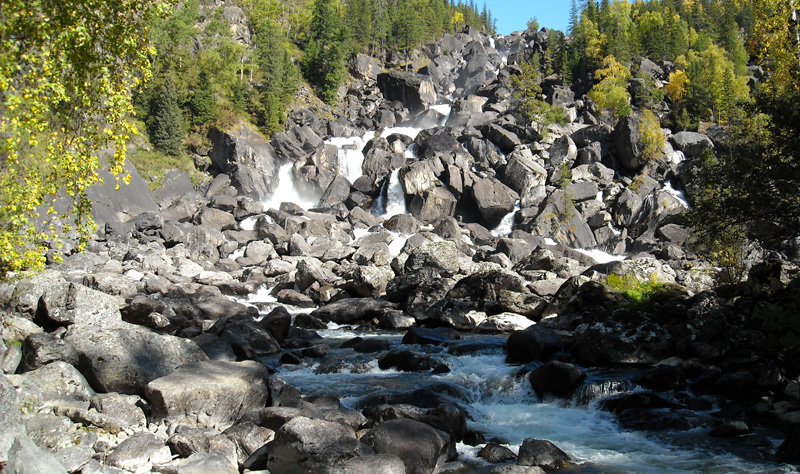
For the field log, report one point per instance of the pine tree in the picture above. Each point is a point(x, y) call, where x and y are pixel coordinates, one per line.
point(573, 16)
point(166, 121)
point(325, 66)
point(203, 103)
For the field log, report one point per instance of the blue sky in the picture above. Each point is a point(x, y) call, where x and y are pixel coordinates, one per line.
point(513, 15)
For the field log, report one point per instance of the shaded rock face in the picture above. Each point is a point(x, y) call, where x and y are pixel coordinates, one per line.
point(421, 447)
point(249, 160)
point(125, 357)
point(120, 205)
point(415, 91)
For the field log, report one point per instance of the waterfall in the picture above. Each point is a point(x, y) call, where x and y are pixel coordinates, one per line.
point(288, 191)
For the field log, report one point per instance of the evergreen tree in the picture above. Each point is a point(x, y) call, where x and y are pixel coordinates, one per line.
point(203, 103)
point(573, 17)
point(166, 122)
point(325, 66)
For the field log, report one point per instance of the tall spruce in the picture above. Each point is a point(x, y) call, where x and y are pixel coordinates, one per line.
point(166, 121)
point(325, 66)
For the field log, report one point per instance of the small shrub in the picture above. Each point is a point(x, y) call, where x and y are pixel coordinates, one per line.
point(639, 294)
point(652, 139)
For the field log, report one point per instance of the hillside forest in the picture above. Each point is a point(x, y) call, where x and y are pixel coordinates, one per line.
point(734, 65)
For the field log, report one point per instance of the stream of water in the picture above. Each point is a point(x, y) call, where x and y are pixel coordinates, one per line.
point(499, 402)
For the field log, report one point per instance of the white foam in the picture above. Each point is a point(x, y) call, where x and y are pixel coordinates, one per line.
point(249, 223)
point(288, 191)
point(678, 194)
point(350, 156)
point(236, 254)
point(507, 224)
point(549, 241)
point(396, 246)
point(408, 131)
point(600, 256)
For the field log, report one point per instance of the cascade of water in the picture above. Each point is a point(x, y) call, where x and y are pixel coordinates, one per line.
point(601, 256)
point(507, 224)
point(288, 191)
point(350, 158)
point(678, 194)
point(395, 196)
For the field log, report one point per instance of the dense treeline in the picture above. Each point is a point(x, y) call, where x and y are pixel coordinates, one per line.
point(734, 64)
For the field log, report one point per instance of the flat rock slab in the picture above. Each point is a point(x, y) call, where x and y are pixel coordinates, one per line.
point(125, 357)
point(210, 394)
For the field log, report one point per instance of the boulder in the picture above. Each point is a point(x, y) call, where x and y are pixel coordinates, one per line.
point(628, 141)
point(692, 144)
point(365, 67)
point(351, 310)
point(72, 303)
point(10, 417)
point(443, 257)
point(533, 343)
point(125, 357)
point(422, 448)
point(494, 200)
point(542, 453)
point(304, 445)
point(433, 204)
point(505, 139)
point(40, 349)
point(369, 464)
point(211, 394)
point(526, 176)
point(139, 453)
point(25, 457)
point(249, 160)
point(557, 378)
point(55, 382)
point(415, 91)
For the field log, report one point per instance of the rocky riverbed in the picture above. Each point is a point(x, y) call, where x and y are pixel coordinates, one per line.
point(406, 319)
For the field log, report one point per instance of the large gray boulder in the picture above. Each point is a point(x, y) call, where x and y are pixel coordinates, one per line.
point(70, 303)
point(351, 310)
point(365, 67)
point(628, 140)
point(249, 160)
point(560, 220)
point(25, 457)
point(692, 144)
point(433, 204)
point(139, 453)
point(415, 91)
point(304, 445)
point(422, 448)
point(493, 199)
point(110, 204)
point(542, 453)
point(211, 394)
point(526, 176)
point(10, 417)
point(125, 357)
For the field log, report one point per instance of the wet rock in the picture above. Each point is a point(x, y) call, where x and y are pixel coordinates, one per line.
point(407, 361)
point(208, 394)
point(495, 453)
point(350, 310)
point(789, 450)
point(534, 343)
point(731, 429)
point(663, 378)
point(542, 453)
point(435, 337)
point(422, 448)
point(246, 337)
point(557, 378)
